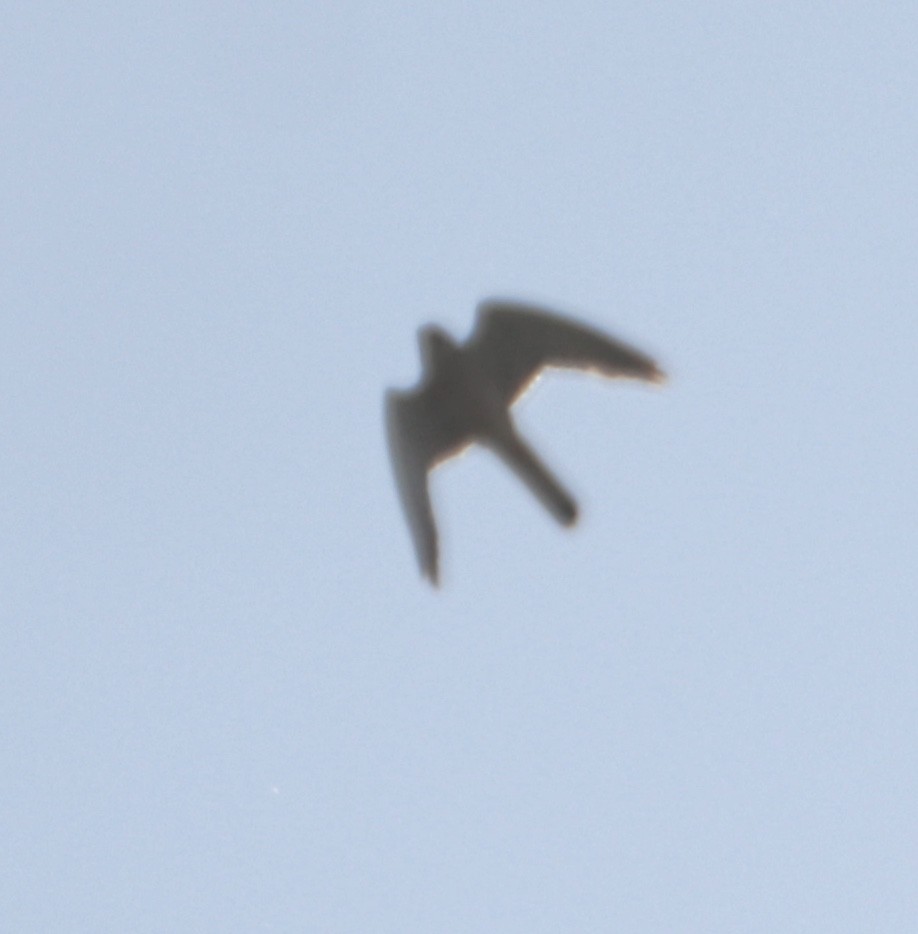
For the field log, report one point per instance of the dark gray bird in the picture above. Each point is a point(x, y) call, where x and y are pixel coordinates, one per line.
point(466, 394)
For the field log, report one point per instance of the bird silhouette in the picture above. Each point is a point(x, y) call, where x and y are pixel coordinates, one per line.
point(466, 394)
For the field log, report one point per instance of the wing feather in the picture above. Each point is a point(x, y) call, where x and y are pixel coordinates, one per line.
point(514, 342)
point(418, 441)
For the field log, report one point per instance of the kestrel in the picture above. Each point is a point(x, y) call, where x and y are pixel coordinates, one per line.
point(466, 394)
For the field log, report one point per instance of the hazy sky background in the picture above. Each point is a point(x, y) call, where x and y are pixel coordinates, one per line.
point(229, 702)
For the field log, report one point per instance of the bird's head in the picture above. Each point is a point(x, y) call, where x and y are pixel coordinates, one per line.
point(436, 345)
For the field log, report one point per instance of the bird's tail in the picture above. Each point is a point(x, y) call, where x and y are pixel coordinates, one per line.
point(536, 476)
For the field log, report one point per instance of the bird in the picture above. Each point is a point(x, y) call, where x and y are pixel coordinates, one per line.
point(465, 396)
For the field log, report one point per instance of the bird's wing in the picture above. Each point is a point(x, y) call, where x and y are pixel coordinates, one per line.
point(514, 342)
point(418, 441)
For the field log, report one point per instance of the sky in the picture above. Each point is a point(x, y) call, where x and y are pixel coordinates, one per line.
point(229, 701)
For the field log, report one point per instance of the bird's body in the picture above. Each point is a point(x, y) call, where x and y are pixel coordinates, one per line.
point(466, 395)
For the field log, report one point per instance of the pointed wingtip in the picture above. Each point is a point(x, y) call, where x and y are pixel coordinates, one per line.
point(657, 376)
point(430, 571)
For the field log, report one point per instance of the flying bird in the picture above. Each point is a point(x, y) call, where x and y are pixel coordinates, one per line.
point(466, 394)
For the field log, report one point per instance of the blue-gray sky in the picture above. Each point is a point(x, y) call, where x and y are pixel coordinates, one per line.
point(229, 702)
